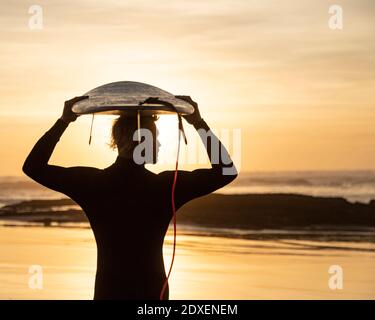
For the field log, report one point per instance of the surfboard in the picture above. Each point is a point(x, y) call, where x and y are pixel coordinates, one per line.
point(130, 97)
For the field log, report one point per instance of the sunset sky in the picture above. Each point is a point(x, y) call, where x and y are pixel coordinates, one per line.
point(301, 93)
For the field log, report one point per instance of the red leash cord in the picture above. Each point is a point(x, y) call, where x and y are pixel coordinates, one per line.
point(180, 130)
point(174, 209)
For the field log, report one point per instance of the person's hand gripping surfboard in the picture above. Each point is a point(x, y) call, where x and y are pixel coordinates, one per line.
point(195, 117)
point(68, 115)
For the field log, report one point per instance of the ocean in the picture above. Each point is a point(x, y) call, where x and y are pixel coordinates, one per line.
point(351, 185)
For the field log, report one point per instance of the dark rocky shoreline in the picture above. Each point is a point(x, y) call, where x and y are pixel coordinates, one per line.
point(249, 211)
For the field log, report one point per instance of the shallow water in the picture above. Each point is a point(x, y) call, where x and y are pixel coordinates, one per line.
point(205, 267)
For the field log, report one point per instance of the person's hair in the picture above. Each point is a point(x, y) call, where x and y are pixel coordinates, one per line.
point(123, 129)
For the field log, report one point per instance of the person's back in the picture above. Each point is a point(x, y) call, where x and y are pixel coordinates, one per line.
point(129, 208)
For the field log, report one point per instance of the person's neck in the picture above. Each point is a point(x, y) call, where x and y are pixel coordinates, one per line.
point(125, 156)
point(127, 161)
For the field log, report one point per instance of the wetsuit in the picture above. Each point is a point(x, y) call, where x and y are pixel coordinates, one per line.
point(129, 210)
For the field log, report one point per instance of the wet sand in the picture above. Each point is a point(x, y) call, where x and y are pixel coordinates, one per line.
point(204, 267)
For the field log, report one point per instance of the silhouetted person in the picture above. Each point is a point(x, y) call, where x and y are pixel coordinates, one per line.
point(129, 207)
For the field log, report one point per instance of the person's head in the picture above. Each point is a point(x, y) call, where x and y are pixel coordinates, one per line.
point(123, 130)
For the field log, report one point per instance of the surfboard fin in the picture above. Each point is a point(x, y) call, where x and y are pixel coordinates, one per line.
point(92, 122)
point(139, 126)
point(181, 127)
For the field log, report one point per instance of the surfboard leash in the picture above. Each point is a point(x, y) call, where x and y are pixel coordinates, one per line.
point(180, 130)
point(174, 219)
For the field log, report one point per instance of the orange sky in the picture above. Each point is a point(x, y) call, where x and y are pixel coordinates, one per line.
point(301, 93)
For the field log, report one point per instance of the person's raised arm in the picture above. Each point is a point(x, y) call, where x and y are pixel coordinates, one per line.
point(36, 164)
point(219, 157)
point(204, 181)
